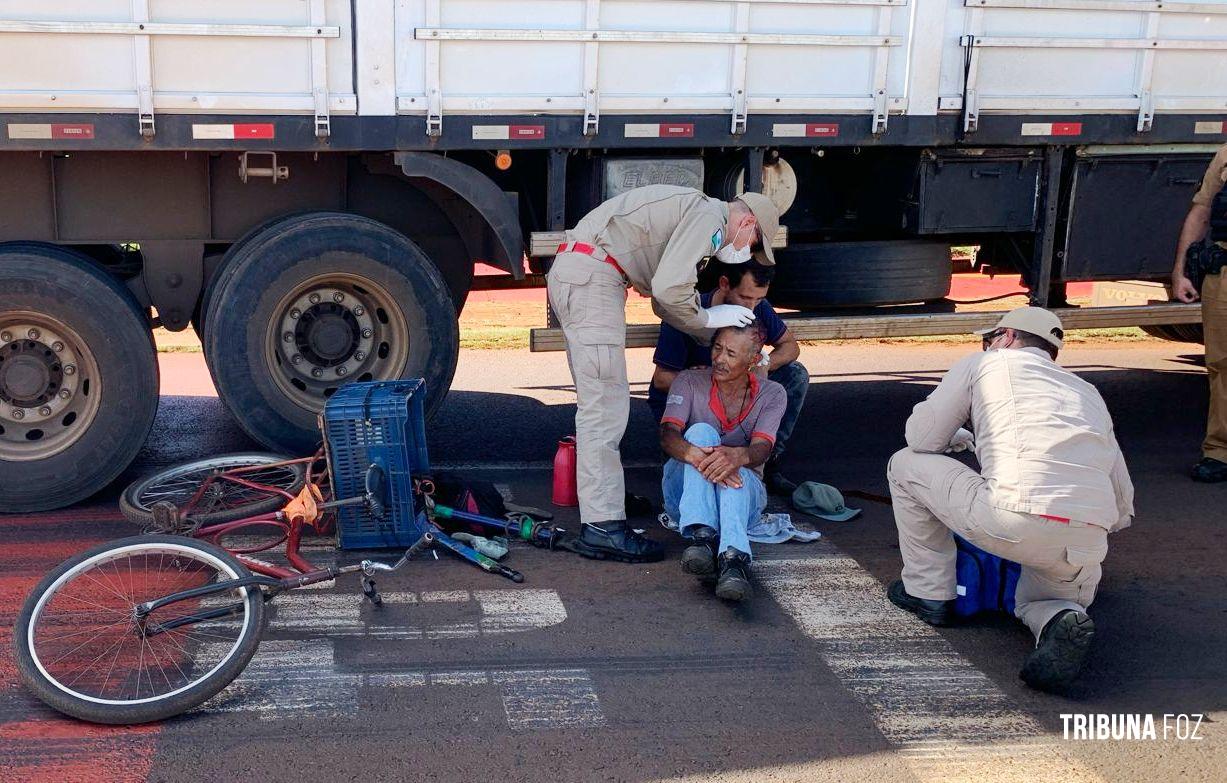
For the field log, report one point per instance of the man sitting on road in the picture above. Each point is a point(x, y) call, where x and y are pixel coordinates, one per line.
point(1053, 484)
point(713, 480)
point(745, 285)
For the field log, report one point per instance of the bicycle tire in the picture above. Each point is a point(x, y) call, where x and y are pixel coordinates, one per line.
point(135, 504)
point(63, 698)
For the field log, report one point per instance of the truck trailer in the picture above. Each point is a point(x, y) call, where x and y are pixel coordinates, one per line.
point(308, 183)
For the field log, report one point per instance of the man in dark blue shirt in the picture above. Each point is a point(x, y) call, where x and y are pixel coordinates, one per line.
point(745, 285)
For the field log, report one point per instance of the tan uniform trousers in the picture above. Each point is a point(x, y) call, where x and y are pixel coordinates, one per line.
point(933, 495)
point(1214, 318)
point(589, 298)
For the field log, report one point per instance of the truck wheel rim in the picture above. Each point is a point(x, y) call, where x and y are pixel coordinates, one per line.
point(50, 386)
point(332, 330)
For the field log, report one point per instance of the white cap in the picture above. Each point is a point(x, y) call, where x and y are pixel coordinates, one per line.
point(1032, 320)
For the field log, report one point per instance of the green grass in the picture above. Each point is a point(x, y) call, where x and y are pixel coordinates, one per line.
point(1121, 334)
point(494, 338)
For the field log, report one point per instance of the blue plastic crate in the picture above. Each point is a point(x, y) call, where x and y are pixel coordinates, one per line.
point(380, 423)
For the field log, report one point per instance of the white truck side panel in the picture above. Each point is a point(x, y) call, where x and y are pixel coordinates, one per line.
point(252, 56)
point(1064, 56)
point(545, 55)
point(592, 57)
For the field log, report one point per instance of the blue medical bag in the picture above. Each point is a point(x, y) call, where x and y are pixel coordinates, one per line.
point(986, 583)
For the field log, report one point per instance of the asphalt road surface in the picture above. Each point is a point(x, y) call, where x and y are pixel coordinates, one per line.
point(593, 672)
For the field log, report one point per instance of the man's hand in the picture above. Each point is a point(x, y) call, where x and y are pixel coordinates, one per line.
point(962, 441)
point(1182, 289)
point(727, 315)
point(723, 466)
point(695, 455)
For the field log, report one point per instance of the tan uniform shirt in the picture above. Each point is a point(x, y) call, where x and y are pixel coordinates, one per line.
point(1213, 182)
point(659, 234)
point(1043, 436)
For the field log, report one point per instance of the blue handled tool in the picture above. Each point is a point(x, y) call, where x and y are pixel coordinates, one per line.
point(476, 558)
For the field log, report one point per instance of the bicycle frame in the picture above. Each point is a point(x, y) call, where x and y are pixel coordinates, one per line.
point(291, 526)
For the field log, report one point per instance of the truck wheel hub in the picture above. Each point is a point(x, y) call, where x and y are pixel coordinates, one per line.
point(327, 334)
point(333, 330)
point(30, 373)
point(49, 387)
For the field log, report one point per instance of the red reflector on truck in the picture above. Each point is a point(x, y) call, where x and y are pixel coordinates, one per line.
point(811, 130)
point(241, 130)
point(54, 130)
point(508, 132)
point(1051, 129)
point(658, 130)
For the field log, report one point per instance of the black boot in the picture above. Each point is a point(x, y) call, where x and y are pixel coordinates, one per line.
point(776, 482)
point(700, 557)
point(734, 582)
point(932, 612)
point(1210, 471)
point(1058, 658)
point(613, 540)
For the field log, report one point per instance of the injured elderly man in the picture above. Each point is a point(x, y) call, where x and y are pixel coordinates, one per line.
point(718, 429)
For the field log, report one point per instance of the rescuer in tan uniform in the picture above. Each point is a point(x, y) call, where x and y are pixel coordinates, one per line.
point(1213, 465)
point(652, 239)
point(1052, 485)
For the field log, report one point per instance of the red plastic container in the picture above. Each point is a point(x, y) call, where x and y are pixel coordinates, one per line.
point(565, 493)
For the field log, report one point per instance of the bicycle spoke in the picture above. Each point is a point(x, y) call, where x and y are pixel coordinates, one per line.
point(96, 606)
point(111, 668)
point(157, 662)
point(82, 644)
point(71, 682)
point(112, 590)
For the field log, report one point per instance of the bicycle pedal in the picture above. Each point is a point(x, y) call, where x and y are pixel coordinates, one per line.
point(368, 590)
point(166, 516)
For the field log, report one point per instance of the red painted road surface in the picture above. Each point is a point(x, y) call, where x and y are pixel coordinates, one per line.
point(37, 744)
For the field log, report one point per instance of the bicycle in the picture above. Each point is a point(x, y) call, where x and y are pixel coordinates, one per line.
point(151, 626)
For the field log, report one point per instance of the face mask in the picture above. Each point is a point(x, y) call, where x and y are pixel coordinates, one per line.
point(731, 255)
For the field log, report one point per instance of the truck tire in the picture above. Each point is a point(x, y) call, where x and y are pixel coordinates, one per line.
point(78, 377)
point(840, 274)
point(1178, 333)
point(210, 285)
point(317, 301)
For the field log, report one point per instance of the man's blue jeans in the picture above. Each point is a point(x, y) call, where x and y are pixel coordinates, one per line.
point(693, 500)
point(792, 376)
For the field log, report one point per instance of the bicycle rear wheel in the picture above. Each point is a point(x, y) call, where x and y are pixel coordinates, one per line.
point(80, 648)
point(223, 501)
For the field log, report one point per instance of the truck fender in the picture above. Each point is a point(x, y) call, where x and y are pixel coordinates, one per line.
point(482, 194)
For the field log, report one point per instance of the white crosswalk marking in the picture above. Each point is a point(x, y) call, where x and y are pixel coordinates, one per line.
point(303, 676)
point(948, 720)
point(345, 614)
point(549, 699)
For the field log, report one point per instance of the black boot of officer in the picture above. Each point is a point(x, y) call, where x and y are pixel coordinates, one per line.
point(1210, 471)
point(614, 540)
point(932, 612)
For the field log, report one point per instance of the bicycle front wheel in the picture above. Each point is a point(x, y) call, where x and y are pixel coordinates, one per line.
point(82, 649)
